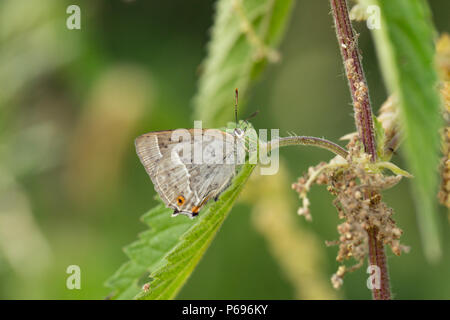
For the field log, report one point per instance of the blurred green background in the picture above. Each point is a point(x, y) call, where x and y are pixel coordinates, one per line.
point(72, 188)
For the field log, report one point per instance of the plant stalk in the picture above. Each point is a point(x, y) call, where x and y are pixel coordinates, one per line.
point(310, 141)
point(377, 257)
point(348, 45)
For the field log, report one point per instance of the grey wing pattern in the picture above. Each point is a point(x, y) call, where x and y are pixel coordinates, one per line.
point(175, 176)
point(209, 179)
point(167, 172)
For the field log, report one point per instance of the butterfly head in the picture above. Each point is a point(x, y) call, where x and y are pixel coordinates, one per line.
point(238, 129)
point(239, 133)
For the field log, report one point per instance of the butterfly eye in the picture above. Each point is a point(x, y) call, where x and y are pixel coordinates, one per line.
point(180, 200)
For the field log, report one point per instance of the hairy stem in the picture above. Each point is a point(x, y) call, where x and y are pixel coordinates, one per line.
point(348, 45)
point(311, 141)
point(377, 257)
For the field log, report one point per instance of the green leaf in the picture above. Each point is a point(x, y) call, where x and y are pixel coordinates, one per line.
point(178, 264)
point(147, 252)
point(233, 60)
point(393, 168)
point(380, 137)
point(405, 47)
point(156, 255)
point(171, 249)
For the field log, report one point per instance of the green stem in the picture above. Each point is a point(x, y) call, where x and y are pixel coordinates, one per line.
point(310, 141)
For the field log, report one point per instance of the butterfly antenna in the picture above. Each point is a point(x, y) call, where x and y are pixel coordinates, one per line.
point(235, 105)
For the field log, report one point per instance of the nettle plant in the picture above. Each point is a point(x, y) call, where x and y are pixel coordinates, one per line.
point(244, 39)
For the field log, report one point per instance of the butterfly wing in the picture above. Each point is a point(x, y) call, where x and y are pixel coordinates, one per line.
point(214, 174)
point(183, 184)
point(168, 174)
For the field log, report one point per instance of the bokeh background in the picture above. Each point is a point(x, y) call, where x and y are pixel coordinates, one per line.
point(72, 188)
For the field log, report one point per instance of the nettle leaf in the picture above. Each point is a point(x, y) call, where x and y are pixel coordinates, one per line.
point(405, 47)
point(147, 252)
point(236, 55)
point(167, 254)
point(178, 264)
point(380, 137)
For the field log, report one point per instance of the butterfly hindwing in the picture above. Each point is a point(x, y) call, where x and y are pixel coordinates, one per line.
point(168, 174)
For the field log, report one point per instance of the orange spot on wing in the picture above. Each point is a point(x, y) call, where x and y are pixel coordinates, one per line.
point(181, 200)
point(195, 209)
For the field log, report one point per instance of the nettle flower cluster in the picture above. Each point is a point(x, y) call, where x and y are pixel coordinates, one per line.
point(356, 183)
